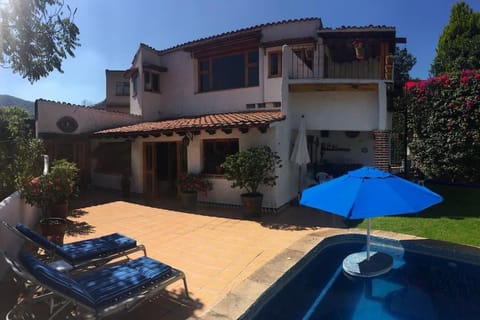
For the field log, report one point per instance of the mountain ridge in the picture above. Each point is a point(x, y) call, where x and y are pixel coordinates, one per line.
point(11, 101)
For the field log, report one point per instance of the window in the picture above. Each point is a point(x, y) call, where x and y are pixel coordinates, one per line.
point(151, 82)
point(228, 72)
point(215, 152)
point(113, 158)
point(306, 55)
point(275, 64)
point(122, 88)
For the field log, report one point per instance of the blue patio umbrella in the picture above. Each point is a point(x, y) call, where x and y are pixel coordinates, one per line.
point(369, 192)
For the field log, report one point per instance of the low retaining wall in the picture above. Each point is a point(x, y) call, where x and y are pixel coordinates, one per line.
point(14, 210)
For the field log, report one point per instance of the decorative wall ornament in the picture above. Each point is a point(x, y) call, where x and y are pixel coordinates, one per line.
point(67, 124)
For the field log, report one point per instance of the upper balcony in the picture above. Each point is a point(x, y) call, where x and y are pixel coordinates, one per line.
point(339, 62)
point(360, 58)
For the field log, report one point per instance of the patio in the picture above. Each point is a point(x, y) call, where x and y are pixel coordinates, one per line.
point(214, 246)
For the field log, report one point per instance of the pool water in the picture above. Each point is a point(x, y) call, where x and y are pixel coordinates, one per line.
point(419, 286)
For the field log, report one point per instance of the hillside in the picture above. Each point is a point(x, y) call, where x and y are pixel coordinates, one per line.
point(10, 101)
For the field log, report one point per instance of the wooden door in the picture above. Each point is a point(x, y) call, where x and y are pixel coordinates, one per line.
point(149, 169)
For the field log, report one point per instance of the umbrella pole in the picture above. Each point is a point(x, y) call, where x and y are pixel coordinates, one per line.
point(368, 239)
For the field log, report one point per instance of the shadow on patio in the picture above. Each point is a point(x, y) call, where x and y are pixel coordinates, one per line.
point(213, 245)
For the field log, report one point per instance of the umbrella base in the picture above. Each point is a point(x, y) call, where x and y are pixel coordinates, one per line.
point(357, 265)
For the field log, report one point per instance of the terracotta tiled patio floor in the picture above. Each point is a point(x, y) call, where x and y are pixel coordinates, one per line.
point(214, 246)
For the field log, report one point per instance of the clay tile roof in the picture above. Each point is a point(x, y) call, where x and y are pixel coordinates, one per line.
point(211, 121)
point(231, 33)
point(368, 28)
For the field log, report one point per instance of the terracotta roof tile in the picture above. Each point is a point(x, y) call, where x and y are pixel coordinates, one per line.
point(210, 121)
point(230, 33)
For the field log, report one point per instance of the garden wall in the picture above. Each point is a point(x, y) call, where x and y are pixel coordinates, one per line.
point(14, 210)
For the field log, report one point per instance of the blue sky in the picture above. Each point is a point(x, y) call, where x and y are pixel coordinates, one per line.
point(111, 31)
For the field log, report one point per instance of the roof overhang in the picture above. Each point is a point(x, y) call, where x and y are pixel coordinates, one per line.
point(146, 66)
point(210, 123)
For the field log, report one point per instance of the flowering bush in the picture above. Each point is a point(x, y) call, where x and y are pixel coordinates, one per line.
point(190, 182)
point(444, 125)
point(55, 187)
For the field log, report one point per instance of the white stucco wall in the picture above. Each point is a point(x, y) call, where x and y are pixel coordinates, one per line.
point(88, 119)
point(341, 110)
point(180, 96)
point(14, 210)
point(221, 193)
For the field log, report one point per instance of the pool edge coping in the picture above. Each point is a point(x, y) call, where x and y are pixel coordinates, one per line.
point(243, 297)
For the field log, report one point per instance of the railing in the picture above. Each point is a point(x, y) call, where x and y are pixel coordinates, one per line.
point(314, 63)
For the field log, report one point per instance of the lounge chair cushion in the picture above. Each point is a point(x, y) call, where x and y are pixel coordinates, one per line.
point(101, 287)
point(36, 237)
point(80, 251)
point(56, 280)
point(120, 281)
point(84, 250)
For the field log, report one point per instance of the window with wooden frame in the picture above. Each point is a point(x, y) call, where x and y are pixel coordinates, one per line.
point(113, 157)
point(151, 81)
point(215, 152)
point(239, 70)
point(122, 88)
point(274, 64)
point(306, 55)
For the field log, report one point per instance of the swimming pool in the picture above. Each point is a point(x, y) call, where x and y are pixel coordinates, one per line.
point(423, 284)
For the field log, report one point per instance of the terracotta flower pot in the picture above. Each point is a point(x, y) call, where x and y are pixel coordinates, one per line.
point(252, 204)
point(59, 210)
point(54, 229)
point(188, 200)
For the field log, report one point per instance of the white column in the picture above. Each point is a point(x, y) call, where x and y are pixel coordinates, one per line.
point(382, 106)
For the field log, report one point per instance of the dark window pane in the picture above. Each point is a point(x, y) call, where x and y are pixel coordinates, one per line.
point(253, 56)
point(155, 86)
point(147, 83)
point(204, 65)
point(274, 64)
point(215, 152)
point(204, 83)
point(113, 157)
point(228, 72)
point(253, 76)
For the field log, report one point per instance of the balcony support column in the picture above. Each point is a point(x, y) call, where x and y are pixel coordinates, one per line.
point(382, 149)
point(382, 106)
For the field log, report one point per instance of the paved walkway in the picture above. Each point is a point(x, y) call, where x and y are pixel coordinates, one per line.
point(214, 246)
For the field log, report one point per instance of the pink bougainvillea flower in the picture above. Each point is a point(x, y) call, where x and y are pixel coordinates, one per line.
point(464, 79)
point(410, 85)
point(467, 72)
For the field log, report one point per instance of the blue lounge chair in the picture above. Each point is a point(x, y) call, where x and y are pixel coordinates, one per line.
point(82, 253)
point(101, 292)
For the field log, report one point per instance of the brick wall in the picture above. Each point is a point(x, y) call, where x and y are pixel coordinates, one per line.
point(382, 149)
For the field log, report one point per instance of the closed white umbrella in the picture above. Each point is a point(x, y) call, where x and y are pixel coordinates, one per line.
point(300, 154)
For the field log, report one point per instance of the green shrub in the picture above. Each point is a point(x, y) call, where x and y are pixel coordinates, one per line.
point(444, 125)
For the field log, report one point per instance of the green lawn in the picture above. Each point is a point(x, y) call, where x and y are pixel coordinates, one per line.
point(456, 219)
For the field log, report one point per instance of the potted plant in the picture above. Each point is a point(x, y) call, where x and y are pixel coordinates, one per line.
point(359, 47)
point(50, 192)
point(249, 169)
point(189, 184)
point(64, 176)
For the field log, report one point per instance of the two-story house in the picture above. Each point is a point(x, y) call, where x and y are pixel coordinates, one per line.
point(192, 105)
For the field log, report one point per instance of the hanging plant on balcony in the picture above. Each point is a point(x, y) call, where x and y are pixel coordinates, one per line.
point(359, 47)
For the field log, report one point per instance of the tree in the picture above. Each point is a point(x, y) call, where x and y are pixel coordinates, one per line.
point(20, 152)
point(459, 45)
point(403, 63)
point(444, 126)
point(36, 36)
